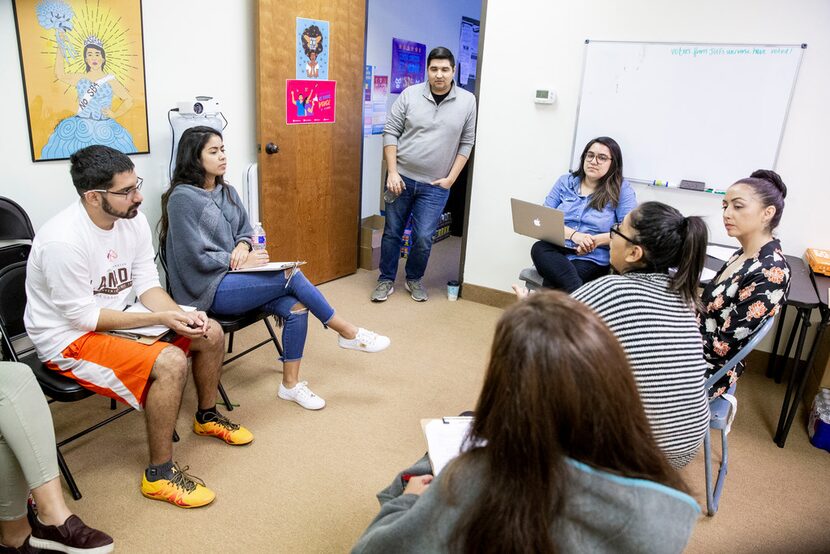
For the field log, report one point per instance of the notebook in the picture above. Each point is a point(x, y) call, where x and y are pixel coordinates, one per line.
point(445, 437)
point(538, 222)
point(148, 334)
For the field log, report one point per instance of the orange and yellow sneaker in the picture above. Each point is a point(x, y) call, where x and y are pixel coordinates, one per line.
point(223, 428)
point(182, 490)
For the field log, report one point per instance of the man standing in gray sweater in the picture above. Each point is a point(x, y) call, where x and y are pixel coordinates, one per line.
point(429, 133)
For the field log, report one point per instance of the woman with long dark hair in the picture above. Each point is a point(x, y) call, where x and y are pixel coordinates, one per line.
point(206, 234)
point(593, 197)
point(560, 457)
point(753, 283)
point(651, 308)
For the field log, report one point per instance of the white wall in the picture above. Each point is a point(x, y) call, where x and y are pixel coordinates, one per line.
point(523, 147)
point(185, 55)
point(430, 22)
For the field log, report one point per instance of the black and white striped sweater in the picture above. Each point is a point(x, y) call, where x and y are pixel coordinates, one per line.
point(662, 340)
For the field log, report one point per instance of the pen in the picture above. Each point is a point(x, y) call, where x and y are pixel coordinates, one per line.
point(293, 270)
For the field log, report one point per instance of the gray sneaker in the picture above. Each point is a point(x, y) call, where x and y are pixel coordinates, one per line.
point(417, 291)
point(382, 291)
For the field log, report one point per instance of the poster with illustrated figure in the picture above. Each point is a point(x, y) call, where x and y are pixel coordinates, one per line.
point(83, 75)
point(308, 101)
point(408, 64)
point(312, 49)
point(380, 91)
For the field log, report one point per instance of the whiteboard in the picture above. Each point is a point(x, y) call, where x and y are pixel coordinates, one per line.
point(702, 112)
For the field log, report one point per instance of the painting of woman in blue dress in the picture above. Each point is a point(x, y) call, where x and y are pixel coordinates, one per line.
point(95, 121)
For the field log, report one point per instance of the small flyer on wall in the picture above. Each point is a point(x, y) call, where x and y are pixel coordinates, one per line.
point(309, 101)
point(380, 91)
point(408, 64)
point(367, 100)
point(313, 47)
point(467, 54)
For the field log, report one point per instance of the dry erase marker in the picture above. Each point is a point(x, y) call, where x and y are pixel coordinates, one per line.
point(660, 183)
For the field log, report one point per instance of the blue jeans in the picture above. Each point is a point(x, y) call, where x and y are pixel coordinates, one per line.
point(425, 202)
point(242, 292)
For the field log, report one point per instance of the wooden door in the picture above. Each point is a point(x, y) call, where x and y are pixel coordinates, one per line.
point(310, 189)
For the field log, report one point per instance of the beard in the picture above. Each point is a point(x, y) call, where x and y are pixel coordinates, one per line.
point(131, 212)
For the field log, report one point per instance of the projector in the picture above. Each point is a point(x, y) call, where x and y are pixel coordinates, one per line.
point(199, 106)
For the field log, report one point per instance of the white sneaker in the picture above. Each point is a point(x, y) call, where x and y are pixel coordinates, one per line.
point(365, 341)
point(302, 395)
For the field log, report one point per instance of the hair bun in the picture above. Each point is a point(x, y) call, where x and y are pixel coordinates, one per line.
point(772, 177)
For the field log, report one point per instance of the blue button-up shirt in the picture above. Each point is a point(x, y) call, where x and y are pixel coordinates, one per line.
point(564, 196)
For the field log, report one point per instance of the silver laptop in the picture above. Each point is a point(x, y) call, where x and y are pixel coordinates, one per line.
point(538, 222)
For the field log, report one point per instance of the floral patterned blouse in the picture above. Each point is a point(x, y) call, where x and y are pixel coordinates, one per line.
point(735, 308)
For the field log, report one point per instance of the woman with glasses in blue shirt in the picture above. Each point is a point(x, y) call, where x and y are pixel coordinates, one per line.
point(593, 198)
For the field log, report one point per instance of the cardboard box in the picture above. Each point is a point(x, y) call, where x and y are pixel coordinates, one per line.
point(369, 258)
point(371, 231)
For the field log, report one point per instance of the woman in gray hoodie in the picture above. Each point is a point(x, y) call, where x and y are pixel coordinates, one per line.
point(560, 456)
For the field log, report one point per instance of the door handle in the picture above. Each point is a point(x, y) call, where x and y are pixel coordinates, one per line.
point(271, 148)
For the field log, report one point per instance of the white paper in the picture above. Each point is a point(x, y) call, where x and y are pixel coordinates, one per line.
point(149, 330)
point(719, 252)
point(270, 266)
point(444, 440)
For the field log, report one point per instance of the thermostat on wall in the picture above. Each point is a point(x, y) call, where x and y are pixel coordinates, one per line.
point(545, 96)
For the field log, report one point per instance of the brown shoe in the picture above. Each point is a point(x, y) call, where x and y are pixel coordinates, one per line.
point(24, 548)
point(73, 536)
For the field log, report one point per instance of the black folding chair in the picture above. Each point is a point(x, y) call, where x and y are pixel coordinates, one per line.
point(16, 233)
point(18, 348)
point(230, 325)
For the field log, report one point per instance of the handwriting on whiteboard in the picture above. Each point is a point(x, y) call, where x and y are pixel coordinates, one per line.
point(725, 51)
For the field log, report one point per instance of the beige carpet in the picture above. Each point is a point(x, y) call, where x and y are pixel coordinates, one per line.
point(307, 483)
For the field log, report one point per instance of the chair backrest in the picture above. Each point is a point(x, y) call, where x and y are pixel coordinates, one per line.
point(756, 337)
point(14, 222)
point(12, 305)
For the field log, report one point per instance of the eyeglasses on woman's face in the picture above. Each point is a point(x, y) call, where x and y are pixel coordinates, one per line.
point(615, 230)
point(600, 158)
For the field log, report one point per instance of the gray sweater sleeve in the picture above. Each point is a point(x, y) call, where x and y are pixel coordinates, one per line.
point(195, 263)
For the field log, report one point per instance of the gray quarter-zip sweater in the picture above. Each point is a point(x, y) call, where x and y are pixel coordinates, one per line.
point(430, 135)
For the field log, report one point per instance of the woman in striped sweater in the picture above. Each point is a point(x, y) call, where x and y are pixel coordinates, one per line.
point(652, 314)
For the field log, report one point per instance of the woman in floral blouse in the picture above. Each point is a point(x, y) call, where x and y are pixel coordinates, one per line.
point(752, 284)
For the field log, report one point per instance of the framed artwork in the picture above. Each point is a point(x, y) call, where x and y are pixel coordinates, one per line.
point(83, 75)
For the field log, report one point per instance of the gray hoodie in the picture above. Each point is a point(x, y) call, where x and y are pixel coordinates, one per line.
point(602, 513)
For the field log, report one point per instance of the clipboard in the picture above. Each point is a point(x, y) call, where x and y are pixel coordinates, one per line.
point(445, 438)
point(270, 266)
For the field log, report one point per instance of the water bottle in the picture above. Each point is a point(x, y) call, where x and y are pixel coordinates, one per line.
point(389, 197)
point(258, 237)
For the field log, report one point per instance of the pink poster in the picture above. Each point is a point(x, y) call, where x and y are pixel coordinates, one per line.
point(309, 101)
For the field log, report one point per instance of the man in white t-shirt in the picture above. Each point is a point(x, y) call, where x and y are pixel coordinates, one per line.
point(86, 265)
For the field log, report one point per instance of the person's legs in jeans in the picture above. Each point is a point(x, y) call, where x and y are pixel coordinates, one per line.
point(588, 271)
point(553, 265)
point(28, 458)
point(426, 212)
point(393, 228)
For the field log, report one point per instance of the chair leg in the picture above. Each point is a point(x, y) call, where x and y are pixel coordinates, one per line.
point(707, 460)
point(113, 405)
point(230, 343)
point(274, 338)
point(724, 468)
point(225, 399)
point(67, 476)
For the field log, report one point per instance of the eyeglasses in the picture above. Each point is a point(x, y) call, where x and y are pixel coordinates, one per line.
point(126, 193)
point(615, 229)
point(601, 158)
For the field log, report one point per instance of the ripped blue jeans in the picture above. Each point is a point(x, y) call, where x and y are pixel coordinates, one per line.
point(242, 292)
